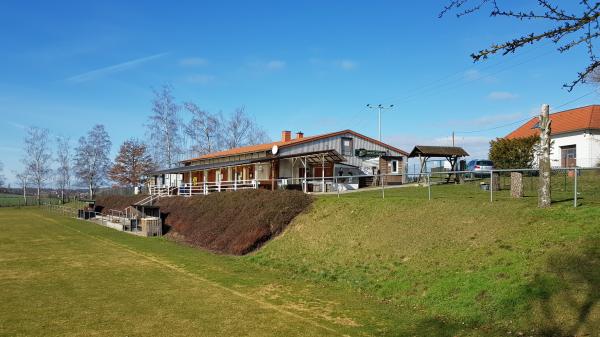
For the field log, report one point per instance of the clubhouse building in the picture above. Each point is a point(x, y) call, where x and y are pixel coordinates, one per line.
point(340, 160)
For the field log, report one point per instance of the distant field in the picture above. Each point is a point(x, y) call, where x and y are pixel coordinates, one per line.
point(359, 265)
point(10, 200)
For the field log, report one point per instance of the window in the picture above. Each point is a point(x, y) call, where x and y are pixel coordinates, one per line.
point(347, 147)
point(568, 156)
point(395, 166)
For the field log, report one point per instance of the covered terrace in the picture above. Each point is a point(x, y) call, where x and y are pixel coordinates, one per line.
point(269, 172)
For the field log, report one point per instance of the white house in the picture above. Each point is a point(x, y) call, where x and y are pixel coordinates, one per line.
point(575, 136)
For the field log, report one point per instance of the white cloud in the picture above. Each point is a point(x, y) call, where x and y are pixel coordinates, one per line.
point(346, 64)
point(91, 75)
point(501, 95)
point(275, 65)
point(495, 119)
point(193, 62)
point(200, 78)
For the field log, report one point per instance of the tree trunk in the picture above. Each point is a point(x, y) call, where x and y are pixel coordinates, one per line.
point(544, 196)
point(91, 191)
point(516, 184)
point(38, 195)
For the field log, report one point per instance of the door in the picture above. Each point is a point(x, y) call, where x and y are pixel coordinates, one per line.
point(568, 156)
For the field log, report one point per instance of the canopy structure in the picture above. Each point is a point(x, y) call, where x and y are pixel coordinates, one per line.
point(425, 152)
point(311, 158)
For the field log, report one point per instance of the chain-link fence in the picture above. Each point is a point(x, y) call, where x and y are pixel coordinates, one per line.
point(576, 186)
point(20, 201)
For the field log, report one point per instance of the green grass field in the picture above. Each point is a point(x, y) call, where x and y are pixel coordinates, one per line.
point(457, 265)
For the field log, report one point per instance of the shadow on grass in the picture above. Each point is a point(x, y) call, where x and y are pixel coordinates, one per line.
point(565, 300)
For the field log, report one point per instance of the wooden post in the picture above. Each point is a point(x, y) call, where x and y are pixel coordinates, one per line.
point(322, 173)
point(305, 169)
point(516, 184)
point(544, 193)
point(272, 175)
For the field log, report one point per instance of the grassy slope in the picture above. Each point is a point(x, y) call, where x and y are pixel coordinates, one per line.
point(458, 260)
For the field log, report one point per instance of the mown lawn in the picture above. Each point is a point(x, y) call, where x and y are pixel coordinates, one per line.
point(65, 277)
point(457, 265)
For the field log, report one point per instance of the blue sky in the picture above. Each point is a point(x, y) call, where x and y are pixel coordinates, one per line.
point(309, 65)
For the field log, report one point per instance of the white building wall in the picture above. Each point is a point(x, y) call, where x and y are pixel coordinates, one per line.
point(587, 146)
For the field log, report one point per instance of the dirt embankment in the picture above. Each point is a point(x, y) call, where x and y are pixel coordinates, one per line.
point(231, 223)
point(105, 203)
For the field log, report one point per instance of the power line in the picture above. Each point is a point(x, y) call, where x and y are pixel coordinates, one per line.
point(527, 118)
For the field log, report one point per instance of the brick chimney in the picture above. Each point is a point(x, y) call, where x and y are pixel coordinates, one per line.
point(299, 135)
point(286, 136)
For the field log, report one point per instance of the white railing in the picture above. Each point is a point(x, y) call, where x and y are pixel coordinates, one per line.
point(200, 189)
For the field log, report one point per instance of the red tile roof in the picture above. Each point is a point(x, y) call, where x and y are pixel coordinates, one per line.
point(578, 119)
point(268, 146)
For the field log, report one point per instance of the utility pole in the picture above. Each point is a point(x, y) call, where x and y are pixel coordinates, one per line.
point(452, 138)
point(379, 107)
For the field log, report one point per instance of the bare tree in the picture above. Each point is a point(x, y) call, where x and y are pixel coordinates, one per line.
point(566, 29)
point(91, 162)
point(204, 129)
point(23, 179)
point(1, 176)
point(163, 128)
point(132, 165)
point(241, 130)
point(37, 157)
point(63, 171)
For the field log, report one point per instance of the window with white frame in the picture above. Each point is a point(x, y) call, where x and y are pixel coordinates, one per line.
point(347, 147)
point(395, 166)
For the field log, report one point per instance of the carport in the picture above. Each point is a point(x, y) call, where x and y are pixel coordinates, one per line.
point(425, 152)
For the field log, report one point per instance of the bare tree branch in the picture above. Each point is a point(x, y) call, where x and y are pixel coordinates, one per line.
point(584, 26)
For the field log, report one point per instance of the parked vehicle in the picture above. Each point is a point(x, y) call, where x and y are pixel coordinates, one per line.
point(480, 165)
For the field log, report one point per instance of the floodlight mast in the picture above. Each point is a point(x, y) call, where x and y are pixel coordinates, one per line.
point(379, 107)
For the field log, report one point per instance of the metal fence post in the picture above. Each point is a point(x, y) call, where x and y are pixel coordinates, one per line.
point(575, 188)
point(491, 185)
point(337, 186)
point(429, 185)
point(382, 186)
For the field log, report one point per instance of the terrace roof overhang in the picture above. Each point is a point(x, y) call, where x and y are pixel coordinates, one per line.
point(316, 157)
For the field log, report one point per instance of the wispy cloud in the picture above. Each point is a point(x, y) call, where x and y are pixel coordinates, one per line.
point(476, 75)
point(346, 64)
point(200, 79)
point(275, 65)
point(501, 96)
point(18, 125)
point(267, 66)
point(193, 62)
point(91, 75)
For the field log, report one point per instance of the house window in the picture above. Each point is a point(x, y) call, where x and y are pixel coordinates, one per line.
point(347, 147)
point(568, 156)
point(395, 166)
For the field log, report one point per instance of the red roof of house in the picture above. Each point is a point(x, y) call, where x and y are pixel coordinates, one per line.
point(578, 119)
point(269, 146)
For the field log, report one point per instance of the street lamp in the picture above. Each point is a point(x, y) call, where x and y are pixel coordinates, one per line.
point(379, 107)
